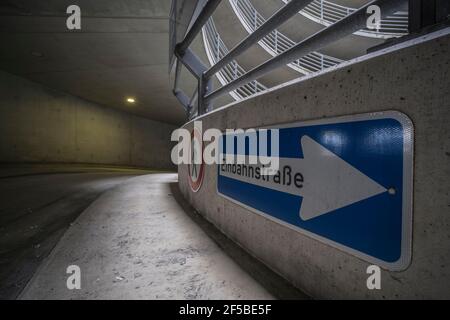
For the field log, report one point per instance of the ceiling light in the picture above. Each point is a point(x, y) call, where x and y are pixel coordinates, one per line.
point(131, 100)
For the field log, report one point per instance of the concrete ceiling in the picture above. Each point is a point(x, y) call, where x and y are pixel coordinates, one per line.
point(122, 50)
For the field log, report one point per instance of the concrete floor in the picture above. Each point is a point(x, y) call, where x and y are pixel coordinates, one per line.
point(38, 204)
point(136, 241)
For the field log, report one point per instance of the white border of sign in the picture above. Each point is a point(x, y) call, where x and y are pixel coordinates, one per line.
point(407, 202)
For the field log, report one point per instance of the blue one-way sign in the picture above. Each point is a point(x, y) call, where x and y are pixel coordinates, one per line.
point(344, 181)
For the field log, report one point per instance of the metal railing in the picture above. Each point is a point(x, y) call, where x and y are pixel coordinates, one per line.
point(216, 50)
point(276, 42)
point(205, 93)
point(327, 13)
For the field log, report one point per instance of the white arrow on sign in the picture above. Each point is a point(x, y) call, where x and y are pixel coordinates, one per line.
point(329, 182)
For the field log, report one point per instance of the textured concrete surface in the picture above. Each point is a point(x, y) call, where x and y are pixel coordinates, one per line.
point(38, 124)
point(121, 50)
point(412, 79)
point(38, 203)
point(136, 242)
point(13, 170)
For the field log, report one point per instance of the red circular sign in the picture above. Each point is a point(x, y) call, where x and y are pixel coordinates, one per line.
point(196, 165)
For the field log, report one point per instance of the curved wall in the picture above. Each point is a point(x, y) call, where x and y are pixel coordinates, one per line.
point(38, 124)
point(412, 79)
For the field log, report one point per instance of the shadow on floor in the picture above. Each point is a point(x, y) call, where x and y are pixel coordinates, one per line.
point(272, 282)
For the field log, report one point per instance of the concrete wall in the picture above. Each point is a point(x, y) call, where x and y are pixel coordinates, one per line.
point(414, 80)
point(38, 124)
